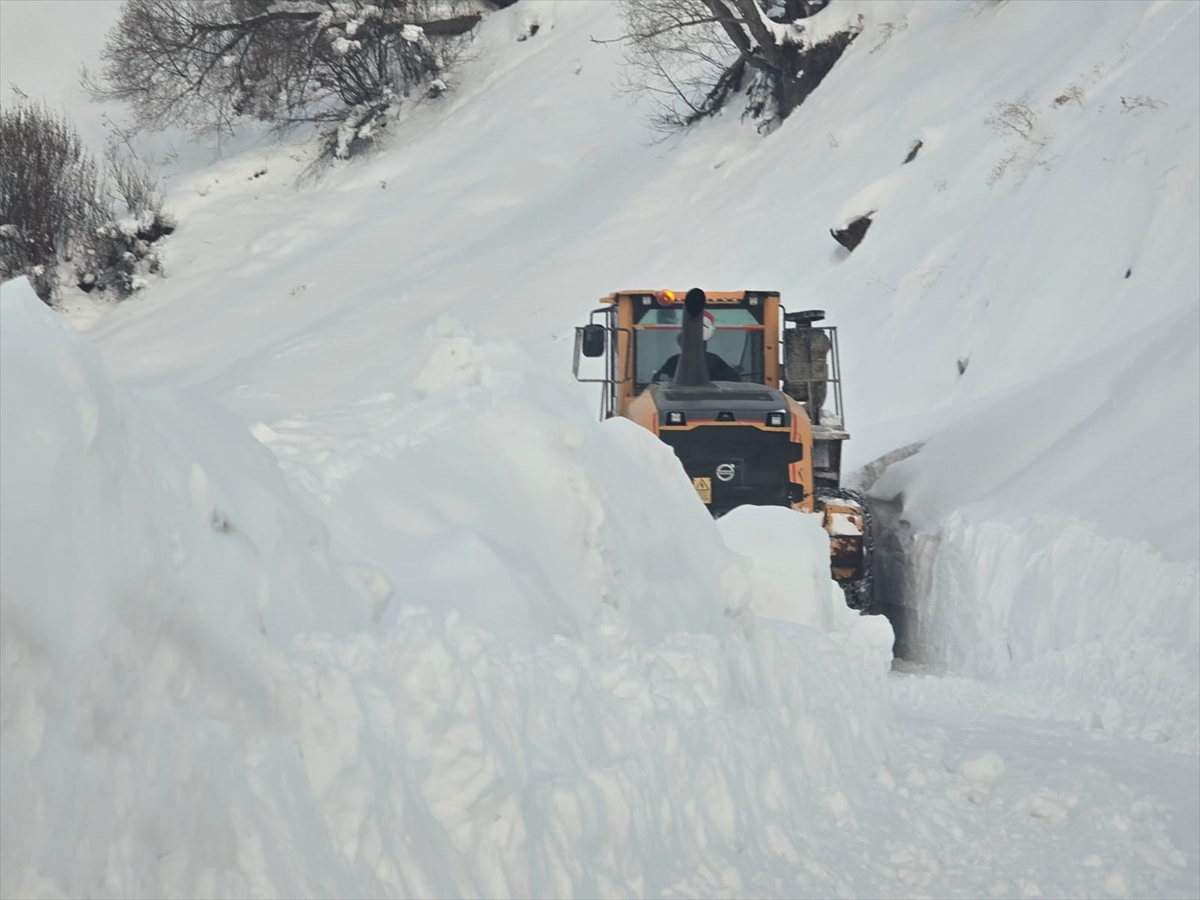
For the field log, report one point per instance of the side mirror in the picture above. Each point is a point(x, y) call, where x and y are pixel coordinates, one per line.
point(592, 340)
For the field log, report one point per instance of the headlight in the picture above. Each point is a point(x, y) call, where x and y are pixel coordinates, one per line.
point(676, 418)
point(775, 419)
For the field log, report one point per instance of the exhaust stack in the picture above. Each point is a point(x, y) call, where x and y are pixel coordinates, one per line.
point(692, 368)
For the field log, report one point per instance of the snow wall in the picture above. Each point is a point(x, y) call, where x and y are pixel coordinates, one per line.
point(202, 698)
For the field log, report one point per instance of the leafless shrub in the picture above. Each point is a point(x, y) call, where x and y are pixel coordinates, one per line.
point(1073, 94)
point(679, 59)
point(886, 30)
point(689, 57)
point(49, 194)
point(1000, 169)
point(1014, 117)
point(118, 254)
point(56, 209)
point(343, 66)
point(982, 6)
point(133, 184)
point(1140, 101)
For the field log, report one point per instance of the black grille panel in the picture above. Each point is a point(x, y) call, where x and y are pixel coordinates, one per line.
point(759, 461)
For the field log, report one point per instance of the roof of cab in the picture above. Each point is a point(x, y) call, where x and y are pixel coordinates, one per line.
point(710, 296)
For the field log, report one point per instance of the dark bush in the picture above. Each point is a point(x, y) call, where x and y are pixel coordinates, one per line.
point(49, 194)
point(57, 214)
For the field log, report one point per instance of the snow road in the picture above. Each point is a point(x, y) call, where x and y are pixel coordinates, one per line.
point(1077, 795)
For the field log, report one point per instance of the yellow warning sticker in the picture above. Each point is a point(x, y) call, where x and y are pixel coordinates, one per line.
point(703, 487)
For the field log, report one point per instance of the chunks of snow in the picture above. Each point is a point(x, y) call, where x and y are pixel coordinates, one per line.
point(983, 769)
point(454, 361)
point(844, 523)
point(789, 575)
point(1043, 807)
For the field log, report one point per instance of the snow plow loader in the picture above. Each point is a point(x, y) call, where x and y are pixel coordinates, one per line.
point(748, 395)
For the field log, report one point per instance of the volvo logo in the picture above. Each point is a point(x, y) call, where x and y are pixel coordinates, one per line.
point(725, 472)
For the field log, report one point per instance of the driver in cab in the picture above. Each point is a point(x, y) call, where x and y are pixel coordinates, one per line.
point(718, 369)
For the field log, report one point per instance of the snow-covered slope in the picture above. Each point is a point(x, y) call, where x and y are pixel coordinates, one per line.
point(320, 577)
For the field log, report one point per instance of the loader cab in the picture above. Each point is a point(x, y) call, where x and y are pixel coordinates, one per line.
point(735, 348)
point(637, 332)
point(634, 333)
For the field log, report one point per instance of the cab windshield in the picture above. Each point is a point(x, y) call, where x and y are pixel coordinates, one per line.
point(737, 340)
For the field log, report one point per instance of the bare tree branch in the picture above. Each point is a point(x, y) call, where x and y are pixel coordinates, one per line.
point(208, 64)
point(689, 57)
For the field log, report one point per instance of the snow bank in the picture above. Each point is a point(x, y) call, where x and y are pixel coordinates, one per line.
point(150, 498)
point(450, 765)
point(498, 494)
point(1104, 631)
point(795, 586)
point(1094, 605)
point(555, 685)
point(150, 552)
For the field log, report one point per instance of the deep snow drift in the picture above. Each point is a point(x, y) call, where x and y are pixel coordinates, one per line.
point(519, 722)
point(320, 578)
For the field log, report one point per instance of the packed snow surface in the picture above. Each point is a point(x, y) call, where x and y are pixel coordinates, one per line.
point(320, 577)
